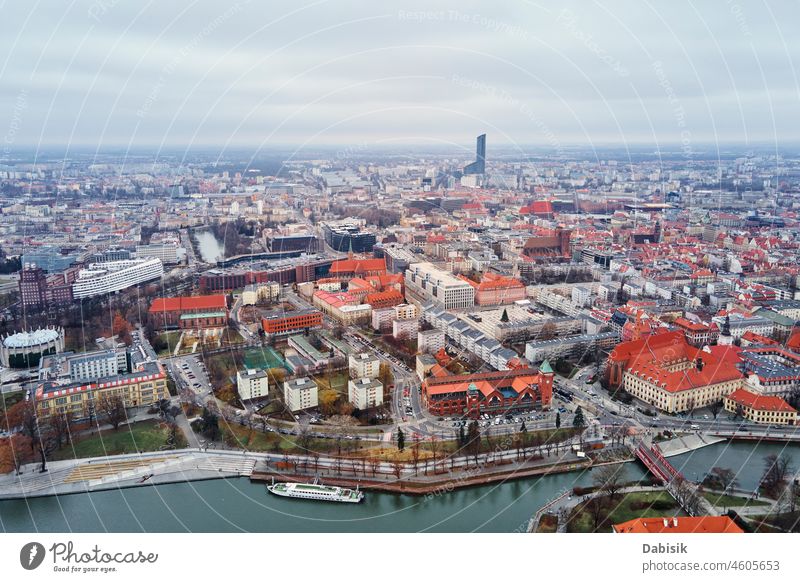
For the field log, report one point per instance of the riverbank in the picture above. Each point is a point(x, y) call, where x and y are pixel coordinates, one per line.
point(242, 505)
point(124, 472)
point(432, 484)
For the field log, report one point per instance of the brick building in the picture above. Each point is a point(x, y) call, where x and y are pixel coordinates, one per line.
point(489, 392)
point(197, 312)
point(292, 322)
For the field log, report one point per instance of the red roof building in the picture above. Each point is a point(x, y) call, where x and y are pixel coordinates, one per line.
point(488, 393)
point(292, 322)
point(200, 311)
point(760, 408)
point(667, 372)
point(679, 525)
point(349, 268)
point(698, 334)
point(542, 208)
point(496, 290)
point(384, 299)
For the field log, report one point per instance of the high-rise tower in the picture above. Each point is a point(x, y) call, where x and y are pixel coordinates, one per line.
point(479, 165)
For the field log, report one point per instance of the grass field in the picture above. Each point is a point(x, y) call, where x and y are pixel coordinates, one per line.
point(264, 357)
point(722, 500)
point(256, 440)
point(624, 508)
point(149, 435)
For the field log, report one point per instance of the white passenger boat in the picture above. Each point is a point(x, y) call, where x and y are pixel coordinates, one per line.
point(316, 491)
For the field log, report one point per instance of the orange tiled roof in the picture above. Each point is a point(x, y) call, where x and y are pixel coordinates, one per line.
point(703, 524)
point(357, 266)
point(650, 357)
point(759, 402)
point(199, 302)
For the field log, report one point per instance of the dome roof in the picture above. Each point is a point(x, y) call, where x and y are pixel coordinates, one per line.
point(28, 339)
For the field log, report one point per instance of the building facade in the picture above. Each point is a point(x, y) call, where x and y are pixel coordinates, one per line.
point(292, 322)
point(427, 282)
point(300, 394)
point(492, 393)
point(760, 409)
point(103, 278)
point(252, 384)
point(365, 393)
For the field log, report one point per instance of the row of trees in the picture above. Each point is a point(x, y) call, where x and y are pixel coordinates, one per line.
point(32, 437)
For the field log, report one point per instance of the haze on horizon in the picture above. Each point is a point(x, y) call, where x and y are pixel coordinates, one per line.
point(113, 73)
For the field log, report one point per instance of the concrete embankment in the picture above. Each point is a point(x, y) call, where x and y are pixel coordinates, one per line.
point(687, 443)
point(124, 471)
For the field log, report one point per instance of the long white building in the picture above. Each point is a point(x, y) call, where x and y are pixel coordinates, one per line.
point(102, 278)
point(427, 282)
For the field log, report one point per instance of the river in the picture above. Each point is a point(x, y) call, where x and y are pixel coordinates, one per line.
point(208, 245)
point(235, 505)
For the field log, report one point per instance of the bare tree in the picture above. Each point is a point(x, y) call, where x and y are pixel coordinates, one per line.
point(610, 479)
point(434, 450)
point(415, 453)
point(374, 464)
point(597, 510)
point(397, 468)
point(59, 424)
point(112, 408)
point(777, 468)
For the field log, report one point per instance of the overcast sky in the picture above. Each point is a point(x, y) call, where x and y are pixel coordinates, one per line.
point(119, 72)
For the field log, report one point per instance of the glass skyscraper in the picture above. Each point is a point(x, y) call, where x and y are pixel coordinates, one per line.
point(479, 165)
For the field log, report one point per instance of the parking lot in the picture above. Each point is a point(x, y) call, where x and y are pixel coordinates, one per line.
point(189, 371)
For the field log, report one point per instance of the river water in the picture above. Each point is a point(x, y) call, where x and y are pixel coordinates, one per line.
point(234, 505)
point(208, 245)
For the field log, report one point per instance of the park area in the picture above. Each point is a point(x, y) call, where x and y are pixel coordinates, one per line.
point(139, 437)
point(589, 516)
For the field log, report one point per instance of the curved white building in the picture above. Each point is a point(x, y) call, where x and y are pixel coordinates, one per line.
point(102, 278)
point(26, 348)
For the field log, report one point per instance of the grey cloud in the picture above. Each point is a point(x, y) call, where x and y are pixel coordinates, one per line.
point(353, 71)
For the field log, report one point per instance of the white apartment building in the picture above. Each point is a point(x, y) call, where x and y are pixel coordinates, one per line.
point(365, 393)
point(430, 283)
point(94, 365)
point(102, 278)
point(581, 295)
point(300, 393)
point(364, 365)
point(405, 328)
point(252, 384)
point(382, 318)
point(166, 252)
point(430, 341)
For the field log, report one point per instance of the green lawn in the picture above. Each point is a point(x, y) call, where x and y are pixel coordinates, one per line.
point(722, 500)
point(149, 435)
point(263, 357)
point(256, 440)
point(625, 508)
